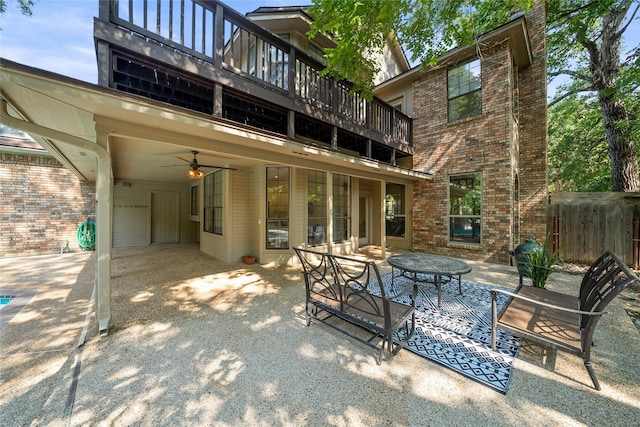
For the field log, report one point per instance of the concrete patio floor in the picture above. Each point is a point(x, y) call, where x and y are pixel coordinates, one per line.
point(195, 341)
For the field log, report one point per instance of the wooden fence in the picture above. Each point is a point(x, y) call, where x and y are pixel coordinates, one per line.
point(584, 225)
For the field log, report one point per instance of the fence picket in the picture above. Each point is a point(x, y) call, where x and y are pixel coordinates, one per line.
point(591, 223)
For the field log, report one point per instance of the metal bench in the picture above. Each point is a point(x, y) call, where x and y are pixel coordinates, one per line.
point(561, 321)
point(338, 286)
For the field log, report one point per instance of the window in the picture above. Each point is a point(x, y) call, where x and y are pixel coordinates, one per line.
point(341, 208)
point(213, 203)
point(194, 200)
point(394, 208)
point(464, 90)
point(465, 208)
point(285, 36)
point(397, 104)
point(317, 53)
point(317, 208)
point(277, 208)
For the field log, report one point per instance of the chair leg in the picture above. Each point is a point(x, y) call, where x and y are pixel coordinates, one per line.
point(592, 374)
point(494, 320)
point(381, 354)
point(312, 314)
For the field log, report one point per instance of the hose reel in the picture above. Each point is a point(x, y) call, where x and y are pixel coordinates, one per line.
point(87, 235)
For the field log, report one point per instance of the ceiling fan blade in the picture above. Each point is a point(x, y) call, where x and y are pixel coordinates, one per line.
point(184, 160)
point(216, 167)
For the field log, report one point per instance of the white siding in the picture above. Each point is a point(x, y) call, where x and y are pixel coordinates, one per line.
point(387, 65)
point(241, 218)
point(132, 212)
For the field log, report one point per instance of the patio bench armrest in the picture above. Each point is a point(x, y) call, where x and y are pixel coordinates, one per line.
point(411, 291)
point(495, 292)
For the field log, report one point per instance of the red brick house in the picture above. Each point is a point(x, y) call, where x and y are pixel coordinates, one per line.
point(480, 128)
point(448, 160)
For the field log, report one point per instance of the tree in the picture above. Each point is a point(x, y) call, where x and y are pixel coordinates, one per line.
point(24, 5)
point(583, 44)
point(426, 28)
point(578, 159)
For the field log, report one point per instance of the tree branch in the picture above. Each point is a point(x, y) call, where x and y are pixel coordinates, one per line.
point(575, 74)
point(566, 13)
point(623, 29)
point(568, 94)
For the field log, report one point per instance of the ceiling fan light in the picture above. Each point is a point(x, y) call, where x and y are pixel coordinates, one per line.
point(194, 173)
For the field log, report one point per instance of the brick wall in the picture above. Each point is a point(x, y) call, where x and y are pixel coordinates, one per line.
point(43, 204)
point(510, 154)
point(533, 132)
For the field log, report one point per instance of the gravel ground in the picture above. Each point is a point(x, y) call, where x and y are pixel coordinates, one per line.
point(197, 342)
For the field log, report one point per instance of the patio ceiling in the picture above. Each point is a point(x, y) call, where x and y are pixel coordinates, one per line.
point(146, 137)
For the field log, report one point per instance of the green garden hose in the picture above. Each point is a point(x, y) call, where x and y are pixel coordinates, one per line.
point(87, 235)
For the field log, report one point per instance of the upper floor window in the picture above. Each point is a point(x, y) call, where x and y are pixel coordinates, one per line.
point(464, 90)
point(316, 53)
point(213, 202)
point(285, 36)
point(465, 208)
point(397, 104)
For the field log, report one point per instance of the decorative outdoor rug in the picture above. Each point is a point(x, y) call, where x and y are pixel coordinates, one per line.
point(458, 335)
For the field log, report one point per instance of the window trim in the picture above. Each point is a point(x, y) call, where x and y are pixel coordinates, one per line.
point(317, 232)
point(213, 203)
point(469, 93)
point(348, 217)
point(479, 217)
point(194, 201)
point(269, 219)
point(394, 215)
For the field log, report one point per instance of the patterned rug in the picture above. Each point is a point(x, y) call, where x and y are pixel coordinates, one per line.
point(458, 335)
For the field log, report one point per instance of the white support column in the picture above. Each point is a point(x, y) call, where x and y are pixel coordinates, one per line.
point(329, 231)
point(383, 233)
point(355, 215)
point(104, 208)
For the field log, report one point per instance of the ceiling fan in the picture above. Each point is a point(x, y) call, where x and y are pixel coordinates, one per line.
point(194, 172)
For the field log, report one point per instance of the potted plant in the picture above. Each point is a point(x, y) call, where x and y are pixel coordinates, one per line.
point(538, 263)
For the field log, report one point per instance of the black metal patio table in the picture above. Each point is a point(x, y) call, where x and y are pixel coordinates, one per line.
point(412, 264)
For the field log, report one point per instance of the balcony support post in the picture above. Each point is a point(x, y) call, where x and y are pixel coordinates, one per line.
point(291, 125)
point(334, 137)
point(104, 10)
point(292, 72)
point(217, 100)
point(218, 41)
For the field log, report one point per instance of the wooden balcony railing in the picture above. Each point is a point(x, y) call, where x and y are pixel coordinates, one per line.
point(216, 34)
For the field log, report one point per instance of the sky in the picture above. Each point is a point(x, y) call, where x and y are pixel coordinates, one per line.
point(58, 37)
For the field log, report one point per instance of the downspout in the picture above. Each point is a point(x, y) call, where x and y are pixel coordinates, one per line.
point(103, 207)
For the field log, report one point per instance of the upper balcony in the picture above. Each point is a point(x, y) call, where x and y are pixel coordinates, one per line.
point(230, 67)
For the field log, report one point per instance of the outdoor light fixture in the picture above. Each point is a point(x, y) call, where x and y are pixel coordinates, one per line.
point(194, 173)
